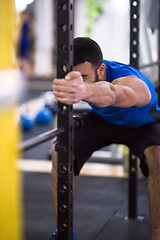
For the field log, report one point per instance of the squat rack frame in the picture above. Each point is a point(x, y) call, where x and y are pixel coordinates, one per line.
point(64, 132)
point(64, 43)
point(134, 61)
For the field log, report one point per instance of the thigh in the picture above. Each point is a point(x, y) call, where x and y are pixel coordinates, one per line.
point(145, 144)
point(144, 137)
point(94, 135)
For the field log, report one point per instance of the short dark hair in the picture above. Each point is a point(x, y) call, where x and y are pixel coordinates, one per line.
point(86, 49)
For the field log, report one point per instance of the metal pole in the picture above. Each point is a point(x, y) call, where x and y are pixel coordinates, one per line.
point(43, 137)
point(134, 32)
point(32, 142)
point(134, 61)
point(132, 203)
point(64, 18)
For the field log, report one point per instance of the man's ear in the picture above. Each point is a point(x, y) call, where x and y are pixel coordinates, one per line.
point(101, 71)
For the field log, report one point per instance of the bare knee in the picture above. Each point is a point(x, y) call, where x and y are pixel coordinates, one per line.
point(152, 157)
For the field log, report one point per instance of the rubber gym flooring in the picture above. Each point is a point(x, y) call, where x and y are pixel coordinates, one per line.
point(100, 205)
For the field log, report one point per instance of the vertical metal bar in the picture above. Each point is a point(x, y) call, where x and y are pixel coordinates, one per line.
point(64, 17)
point(132, 203)
point(134, 61)
point(158, 52)
point(134, 32)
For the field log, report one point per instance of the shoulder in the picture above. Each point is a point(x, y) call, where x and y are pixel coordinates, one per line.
point(130, 81)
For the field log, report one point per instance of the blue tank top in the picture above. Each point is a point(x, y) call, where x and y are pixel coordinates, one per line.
point(132, 116)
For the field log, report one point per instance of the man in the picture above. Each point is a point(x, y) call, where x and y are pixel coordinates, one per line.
point(124, 110)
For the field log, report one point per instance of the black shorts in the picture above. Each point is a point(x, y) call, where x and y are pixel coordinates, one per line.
point(97, 133)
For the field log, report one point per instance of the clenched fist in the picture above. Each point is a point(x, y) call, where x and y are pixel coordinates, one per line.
point(70, 89)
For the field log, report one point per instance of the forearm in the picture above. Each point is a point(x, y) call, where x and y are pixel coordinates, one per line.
point(100, 94)
point(104, 94)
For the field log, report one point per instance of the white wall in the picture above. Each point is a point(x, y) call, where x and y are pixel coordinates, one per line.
point(111, 30)
point(44, 37)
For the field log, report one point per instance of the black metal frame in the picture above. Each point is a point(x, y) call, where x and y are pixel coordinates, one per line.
point(64, 133)
point(134, 32)
point(41, 138)
point(134, 61)
point(64, 41)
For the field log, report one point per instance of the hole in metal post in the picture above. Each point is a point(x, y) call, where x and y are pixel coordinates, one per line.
point(63, 227)
point(71, 6)
point(63, 208)
point(134, 3)
point(63, 169)
point(63, 27)
point(64, 6)
point(134, 42)
point(64, 68)
point(71, 27)
point(63, 189)
point(134, 16)
point(134, 55)
point(134, 29)
point(63, 48)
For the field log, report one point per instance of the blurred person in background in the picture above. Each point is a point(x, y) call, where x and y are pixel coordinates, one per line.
point(26, 44)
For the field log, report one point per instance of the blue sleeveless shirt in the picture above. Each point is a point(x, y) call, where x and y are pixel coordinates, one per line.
point(132, 116)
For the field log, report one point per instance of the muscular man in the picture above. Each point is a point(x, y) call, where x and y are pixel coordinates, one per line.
point(124, 110)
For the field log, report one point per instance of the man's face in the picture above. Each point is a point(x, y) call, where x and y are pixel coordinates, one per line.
point(88, 72)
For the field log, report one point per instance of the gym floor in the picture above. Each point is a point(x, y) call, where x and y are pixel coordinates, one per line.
point(101, 199)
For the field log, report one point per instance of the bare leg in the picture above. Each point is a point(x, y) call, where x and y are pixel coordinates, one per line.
point(54, 178)
point(153, 160)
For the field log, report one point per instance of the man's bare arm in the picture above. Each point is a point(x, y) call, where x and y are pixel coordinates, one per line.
point(123, 92)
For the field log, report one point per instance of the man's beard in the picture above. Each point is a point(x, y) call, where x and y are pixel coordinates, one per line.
point(96, 77)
